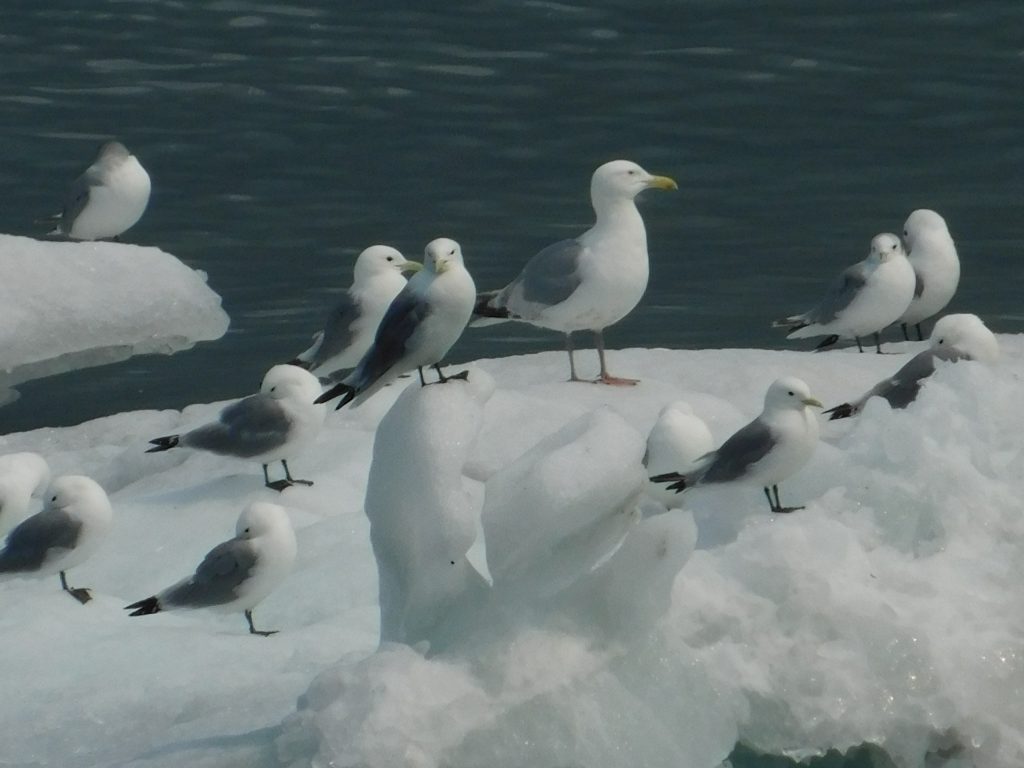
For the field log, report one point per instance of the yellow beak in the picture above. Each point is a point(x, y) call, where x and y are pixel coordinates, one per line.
point(662, 182)
point(813, 401)
point(411, 267)
point(441, 265)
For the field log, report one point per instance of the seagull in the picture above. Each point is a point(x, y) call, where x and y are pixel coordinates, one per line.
point(22, 476)
point(592, 281)
point(954, 337)
point(676, 441)
point(74, 519)
point(108, 198)
point(420, 326)
point(933, 255)
point(238, 573)
point(766, 451)
point(864, 299)
point(351, 325)
point(273, 425)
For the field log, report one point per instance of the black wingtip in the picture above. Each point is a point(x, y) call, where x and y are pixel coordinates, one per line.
point(842, 411)
point(827, 342)
point(163, 443)
point(483, 307)
point(144, 607)
point(347, 392)
point(677, 481)
point(789, 323)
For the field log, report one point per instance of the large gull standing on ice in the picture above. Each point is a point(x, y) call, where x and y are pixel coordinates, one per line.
point(933, 256)
point(376, 279)
point(954, 337)
point(238, 573)
point(420, 326)
point(865, 298)
point(590, 282)
point(73, 522)
point(108, 198)
point(273, 425)
point(766, 451)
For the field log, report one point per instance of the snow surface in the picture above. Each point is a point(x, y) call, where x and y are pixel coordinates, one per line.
point(890, 610)
point(67, 305)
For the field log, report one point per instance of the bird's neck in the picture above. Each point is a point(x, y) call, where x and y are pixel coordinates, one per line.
point(618, 215)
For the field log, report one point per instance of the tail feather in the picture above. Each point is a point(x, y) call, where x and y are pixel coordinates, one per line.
point(793, 323)
point(677, 482)
point(163, 443)
point(144, 607)
point(827, 342)
point(347, 392)
point(841, 411)
point(484, 308)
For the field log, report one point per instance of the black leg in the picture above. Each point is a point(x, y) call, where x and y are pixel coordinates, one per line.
point(778, 504)
point(878, 342)
point(81, 594)
point(254, 631)
point(276, 485)
point(920, 336)
point(442, 379)
point(291, 479)
point(770, 502)
point(859, 347)
point(423, 382)
point(906, 336)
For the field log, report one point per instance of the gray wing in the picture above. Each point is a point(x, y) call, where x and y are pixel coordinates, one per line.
point(338, 330)
point(394, 335)
point(902, 388)
point(217, 579)
point(77, 197)
point(738, 454)
point(839, 295)
point(918, 284)
point(549, 278)
point(250, 427)
point(32, 541)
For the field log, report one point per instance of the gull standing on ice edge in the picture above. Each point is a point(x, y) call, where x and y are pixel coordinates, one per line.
point(420, 326)
point(238, 573)
point(108, 198)
point(376, 279)
point(273, 425)
point(766, 451)
point(590, 282)
point(73, 522)
point(22, 476)
point(954, 337)
point(864, 299)
point(933, 256)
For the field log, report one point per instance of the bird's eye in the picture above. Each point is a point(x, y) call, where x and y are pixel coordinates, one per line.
point(391, 258)
point(941, 341)
point(894, 246)
point(54, 498)
point(791, 394)
point(451, 252)
point(631, 172)
point(905, 233)
point(245, 531)
point(273, 388)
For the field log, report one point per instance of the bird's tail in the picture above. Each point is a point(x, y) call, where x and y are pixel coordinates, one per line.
point(485, 313)
point(841, 411)
point(163, 443)
point(346, 391)
point(677, 481)
point(825, 343)
point(144, 607)
point(793, 322)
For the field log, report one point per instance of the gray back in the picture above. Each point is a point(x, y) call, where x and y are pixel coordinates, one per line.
point(250, 427)
point(394, 336)
point(550, 277)
point(217, 579)
point(33, 540)
point(839, 295)
point(338, 332)
point(77, 197)
point(738, 453)
point(903, 387)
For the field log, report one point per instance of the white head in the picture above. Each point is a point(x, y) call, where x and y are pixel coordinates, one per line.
point(442, 254)
point(623, 179)
point(967, 335)
point(80, 496)
point(112, 151)
point(381, 259)
point(884, 247)
point(259, 519)
point(789, 393)
point(291, 382)
point(922, 224)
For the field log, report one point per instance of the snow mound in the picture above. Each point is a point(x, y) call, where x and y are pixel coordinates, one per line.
point(70, 305)
point(888, 612)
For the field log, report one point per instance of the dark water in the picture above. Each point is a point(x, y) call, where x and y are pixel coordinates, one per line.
point(282, 139)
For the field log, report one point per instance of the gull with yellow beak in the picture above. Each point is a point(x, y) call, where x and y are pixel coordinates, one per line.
point(592, 281)
point(422, 323)
point(766, 451)
point(377, 278)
